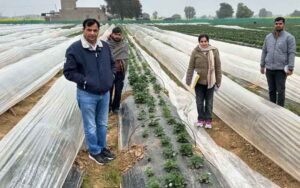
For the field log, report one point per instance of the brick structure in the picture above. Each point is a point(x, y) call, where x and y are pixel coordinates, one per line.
point(69, 12)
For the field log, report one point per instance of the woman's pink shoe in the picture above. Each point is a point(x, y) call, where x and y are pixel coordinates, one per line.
point(208, 124)
point(200, 123)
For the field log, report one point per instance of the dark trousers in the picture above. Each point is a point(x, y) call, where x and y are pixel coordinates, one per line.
point(115, 97)
point(276, 81)
point(204, 100)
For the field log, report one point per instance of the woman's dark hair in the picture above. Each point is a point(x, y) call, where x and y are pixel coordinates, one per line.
point(89, 22)
point(203, 36)
point(279, 19)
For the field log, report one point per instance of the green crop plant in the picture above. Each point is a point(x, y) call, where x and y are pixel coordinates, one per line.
point(149, 172)
point(165, 141)
point(186, 150)
point(169, 153)
point(166, 112)
point(152, 79)
point(142, 115)
point(161, 102)
point(156, 88)
point(174, 180)
point(178, 128)
point(205, 178)
point(153, 183)
point(154, 123)
point(171, 121)
point(196, 162)
point(159, 131)
point(145, 133)
point(182, 138)
point(171, 165)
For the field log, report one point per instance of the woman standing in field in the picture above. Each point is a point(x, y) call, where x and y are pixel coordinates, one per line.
point(205, 61)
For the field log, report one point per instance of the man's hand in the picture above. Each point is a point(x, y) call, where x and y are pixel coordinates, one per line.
point(262, 70)
point(289, 72)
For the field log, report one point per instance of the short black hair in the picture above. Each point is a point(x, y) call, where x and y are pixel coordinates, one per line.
point(89, 22)
point(203, 36)
point(117, 30)
point(279, 19)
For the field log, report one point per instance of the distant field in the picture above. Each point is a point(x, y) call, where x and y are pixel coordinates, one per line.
point(253, 38)
point(20, 20)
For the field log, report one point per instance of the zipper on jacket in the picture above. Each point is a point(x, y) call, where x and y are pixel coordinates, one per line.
point(272, 64)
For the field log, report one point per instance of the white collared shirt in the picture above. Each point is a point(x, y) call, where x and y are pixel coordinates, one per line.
point(86, 44)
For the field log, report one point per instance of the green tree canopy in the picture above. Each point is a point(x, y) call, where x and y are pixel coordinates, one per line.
point(189, 12)
point(155, 15)
point(124, 8)
point(243, 11)
point(176, 17)
point(264, 13)
point(225, 11)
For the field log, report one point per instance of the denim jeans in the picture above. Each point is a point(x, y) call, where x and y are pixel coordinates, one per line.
point(117, 88)
point(204, 100)
point(276, 82)
point(94, 110)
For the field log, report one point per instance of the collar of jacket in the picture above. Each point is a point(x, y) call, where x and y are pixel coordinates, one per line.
point(86, 44)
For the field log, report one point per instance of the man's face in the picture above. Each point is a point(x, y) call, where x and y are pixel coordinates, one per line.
point(279, 25)
point(90, 33)
point(116, 37)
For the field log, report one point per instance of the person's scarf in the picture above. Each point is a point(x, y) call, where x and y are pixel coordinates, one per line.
point(211, 74)
point(119, 49)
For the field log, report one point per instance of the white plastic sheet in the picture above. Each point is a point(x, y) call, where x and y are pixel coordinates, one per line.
point(35, 39)
point(17, 53)
point(234, 171)
point(272, 129)
point(237, 66)
point(19, 80)
point(249, 53)
point(18, 29)
point(40, 150)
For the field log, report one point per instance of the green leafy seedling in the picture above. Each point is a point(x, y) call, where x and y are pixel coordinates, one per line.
point(170, 165)
point(205, 178)
point(186, 150)
point(196, 162)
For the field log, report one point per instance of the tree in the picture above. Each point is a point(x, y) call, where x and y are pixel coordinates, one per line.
point(124, 8)
point(136, 8)
point(176, 17)
point(189, 12)
point(103, 8)
point(146, 16)
point(296, 13)
point(154, 15)
point(243, 11)
point(225, 11)
point(264, 13)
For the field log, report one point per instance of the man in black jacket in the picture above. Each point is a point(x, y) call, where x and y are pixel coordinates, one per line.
point(90, 65)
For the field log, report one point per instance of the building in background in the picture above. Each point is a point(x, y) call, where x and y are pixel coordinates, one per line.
point(69, 12)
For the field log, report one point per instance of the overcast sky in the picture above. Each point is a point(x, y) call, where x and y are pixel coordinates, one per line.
point(163, 7)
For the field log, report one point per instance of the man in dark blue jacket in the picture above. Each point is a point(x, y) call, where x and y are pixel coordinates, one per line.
point(89, 63)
